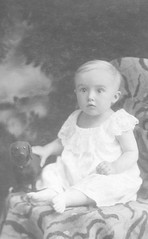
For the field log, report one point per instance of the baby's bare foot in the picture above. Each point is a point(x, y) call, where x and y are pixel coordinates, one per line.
point(41, 197)
point(59, 203)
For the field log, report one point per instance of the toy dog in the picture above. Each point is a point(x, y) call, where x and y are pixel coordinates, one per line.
point(26, 166)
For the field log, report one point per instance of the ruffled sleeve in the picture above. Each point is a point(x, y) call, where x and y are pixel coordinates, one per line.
point(68, 128)
point(122, 121)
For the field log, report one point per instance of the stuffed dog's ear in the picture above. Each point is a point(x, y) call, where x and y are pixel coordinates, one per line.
point(29, 150)
point(13, 148)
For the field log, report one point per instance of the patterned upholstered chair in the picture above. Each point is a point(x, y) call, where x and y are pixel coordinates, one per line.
point(126, 221)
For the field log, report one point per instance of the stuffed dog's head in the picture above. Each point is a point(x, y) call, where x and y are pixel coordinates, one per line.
point(20, 153)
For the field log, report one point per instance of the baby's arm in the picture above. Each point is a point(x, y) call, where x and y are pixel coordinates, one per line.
point(130, 153)
point(129, 156)
point(53, 148)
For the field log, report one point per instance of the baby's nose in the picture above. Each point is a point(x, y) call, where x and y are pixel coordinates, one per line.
point(91, 96)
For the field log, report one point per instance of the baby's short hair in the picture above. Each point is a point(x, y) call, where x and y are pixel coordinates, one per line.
point(100, 64)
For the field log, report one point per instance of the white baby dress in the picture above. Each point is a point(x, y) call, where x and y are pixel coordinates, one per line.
point(84, 149)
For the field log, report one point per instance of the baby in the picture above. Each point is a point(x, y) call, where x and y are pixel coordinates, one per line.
point(98, 153)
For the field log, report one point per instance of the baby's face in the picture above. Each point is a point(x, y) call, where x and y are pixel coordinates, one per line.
point(96, 91)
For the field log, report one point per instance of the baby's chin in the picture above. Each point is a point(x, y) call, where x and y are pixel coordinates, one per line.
point(92, 113)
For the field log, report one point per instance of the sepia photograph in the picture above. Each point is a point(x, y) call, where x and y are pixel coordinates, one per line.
point(73, 119)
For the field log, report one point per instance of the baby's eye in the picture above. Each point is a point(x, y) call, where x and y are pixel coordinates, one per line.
point(83, 89)
point(100, 90)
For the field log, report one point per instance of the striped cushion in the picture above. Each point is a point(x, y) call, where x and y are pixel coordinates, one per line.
point(135, 100)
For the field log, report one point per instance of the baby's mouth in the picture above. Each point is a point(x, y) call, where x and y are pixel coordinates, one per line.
point(91, 105)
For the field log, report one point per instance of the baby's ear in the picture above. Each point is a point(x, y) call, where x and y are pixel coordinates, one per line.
point(117, 96)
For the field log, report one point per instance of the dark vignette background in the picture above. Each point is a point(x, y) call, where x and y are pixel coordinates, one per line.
point(42, 42)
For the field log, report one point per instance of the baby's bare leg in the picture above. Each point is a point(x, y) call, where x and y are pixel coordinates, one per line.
point(70, 198)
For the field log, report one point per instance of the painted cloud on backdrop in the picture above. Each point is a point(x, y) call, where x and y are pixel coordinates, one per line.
point(24, 81)
point(21, 81)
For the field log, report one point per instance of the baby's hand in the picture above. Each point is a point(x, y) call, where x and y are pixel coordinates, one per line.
point(105, 168)
point(39, 150)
